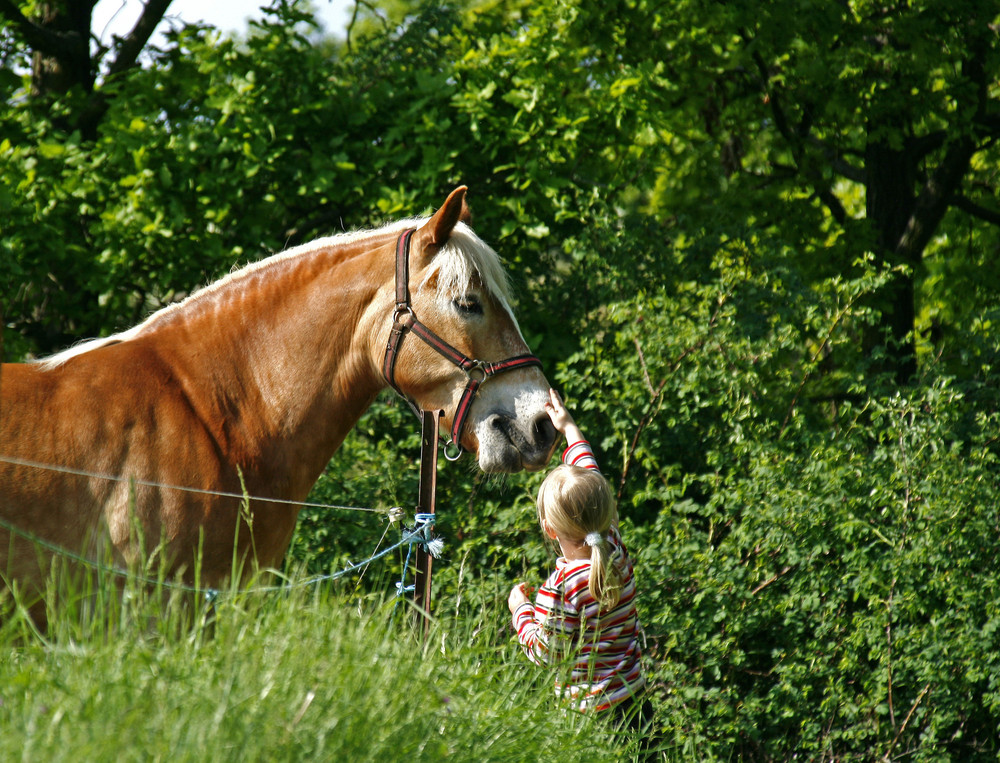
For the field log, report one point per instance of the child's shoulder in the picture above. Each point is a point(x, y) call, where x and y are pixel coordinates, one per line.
point(573, 573)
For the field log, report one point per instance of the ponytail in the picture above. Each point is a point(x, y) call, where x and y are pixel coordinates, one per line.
point(606, 579)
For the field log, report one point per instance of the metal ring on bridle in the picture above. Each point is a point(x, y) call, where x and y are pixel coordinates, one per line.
point(477, 372)
point(457, 452)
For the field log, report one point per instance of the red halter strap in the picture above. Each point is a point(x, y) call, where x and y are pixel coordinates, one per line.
point(404, 321)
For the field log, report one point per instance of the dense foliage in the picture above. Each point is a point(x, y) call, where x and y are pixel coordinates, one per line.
point(778, 229)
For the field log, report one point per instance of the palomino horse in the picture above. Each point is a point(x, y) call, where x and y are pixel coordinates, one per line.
point(252, 384)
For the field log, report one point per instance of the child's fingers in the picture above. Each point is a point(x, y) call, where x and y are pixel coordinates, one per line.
point(555, 403)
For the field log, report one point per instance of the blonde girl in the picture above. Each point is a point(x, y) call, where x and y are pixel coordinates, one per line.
point(584, 613)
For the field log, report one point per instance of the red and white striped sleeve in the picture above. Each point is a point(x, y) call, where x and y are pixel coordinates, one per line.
point(530, 634)
point(580, 453)
point(547, 628)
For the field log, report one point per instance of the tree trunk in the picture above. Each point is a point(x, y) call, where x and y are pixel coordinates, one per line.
point(58, 36)
point(65, 63)
point(889, 207)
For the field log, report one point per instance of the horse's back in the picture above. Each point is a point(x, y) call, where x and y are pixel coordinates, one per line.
point(81, 414)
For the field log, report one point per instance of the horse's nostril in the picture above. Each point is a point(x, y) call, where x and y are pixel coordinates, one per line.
point(543, 430)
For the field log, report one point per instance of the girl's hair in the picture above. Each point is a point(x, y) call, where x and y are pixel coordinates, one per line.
point(577, 502)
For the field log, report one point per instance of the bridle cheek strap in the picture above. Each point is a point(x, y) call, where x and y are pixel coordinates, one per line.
point(477, 371)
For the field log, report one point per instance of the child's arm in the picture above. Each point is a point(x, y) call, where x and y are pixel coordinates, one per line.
point(546, 628)
point(578, 452)
point(562, 419)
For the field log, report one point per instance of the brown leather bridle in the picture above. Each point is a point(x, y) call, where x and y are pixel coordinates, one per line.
point(404, 321)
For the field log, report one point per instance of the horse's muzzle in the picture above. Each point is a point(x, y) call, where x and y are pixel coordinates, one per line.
point(507, 445)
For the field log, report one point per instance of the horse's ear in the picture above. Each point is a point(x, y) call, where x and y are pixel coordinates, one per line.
point(454, 210)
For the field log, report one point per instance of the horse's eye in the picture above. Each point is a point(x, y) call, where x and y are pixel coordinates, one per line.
point(469, 305)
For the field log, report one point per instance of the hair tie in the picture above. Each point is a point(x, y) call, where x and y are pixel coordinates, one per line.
point(593, 539)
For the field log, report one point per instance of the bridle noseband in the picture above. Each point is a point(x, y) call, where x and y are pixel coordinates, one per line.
point(404, 321)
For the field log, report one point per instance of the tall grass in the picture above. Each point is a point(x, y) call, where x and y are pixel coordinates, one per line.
point(303, 675)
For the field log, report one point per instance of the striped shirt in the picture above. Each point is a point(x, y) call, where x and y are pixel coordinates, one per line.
point(580, 454)
point(565, 625)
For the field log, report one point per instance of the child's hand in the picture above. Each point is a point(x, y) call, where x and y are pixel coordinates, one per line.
point(561, 418)
point(518, 596)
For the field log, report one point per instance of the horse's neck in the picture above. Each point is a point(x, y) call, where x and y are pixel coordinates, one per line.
point(280, 361)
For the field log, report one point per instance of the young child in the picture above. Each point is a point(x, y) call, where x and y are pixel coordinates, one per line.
point(584, 614)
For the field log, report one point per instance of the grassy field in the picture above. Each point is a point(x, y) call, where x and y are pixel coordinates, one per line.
point(305, 675)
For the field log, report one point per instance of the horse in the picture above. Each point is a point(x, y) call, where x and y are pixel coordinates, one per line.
point(248, 387)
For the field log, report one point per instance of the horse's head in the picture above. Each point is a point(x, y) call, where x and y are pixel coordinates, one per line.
point(463, 351)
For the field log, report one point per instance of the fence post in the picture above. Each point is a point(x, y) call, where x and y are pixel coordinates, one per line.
point(426, 496)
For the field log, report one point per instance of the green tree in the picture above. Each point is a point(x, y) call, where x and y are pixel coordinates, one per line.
point(65, 62)
point(215, 151)
point(842, 128)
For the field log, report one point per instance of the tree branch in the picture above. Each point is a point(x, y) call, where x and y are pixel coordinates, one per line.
point(934, 198)
point(970, 207)
point(990, 124)
point(799, 139)
point(656, 398)
point(924, 144)
point(828, 197)
point(36, 36)
point(937, 193)
point(840, 165)
point(136, 40)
